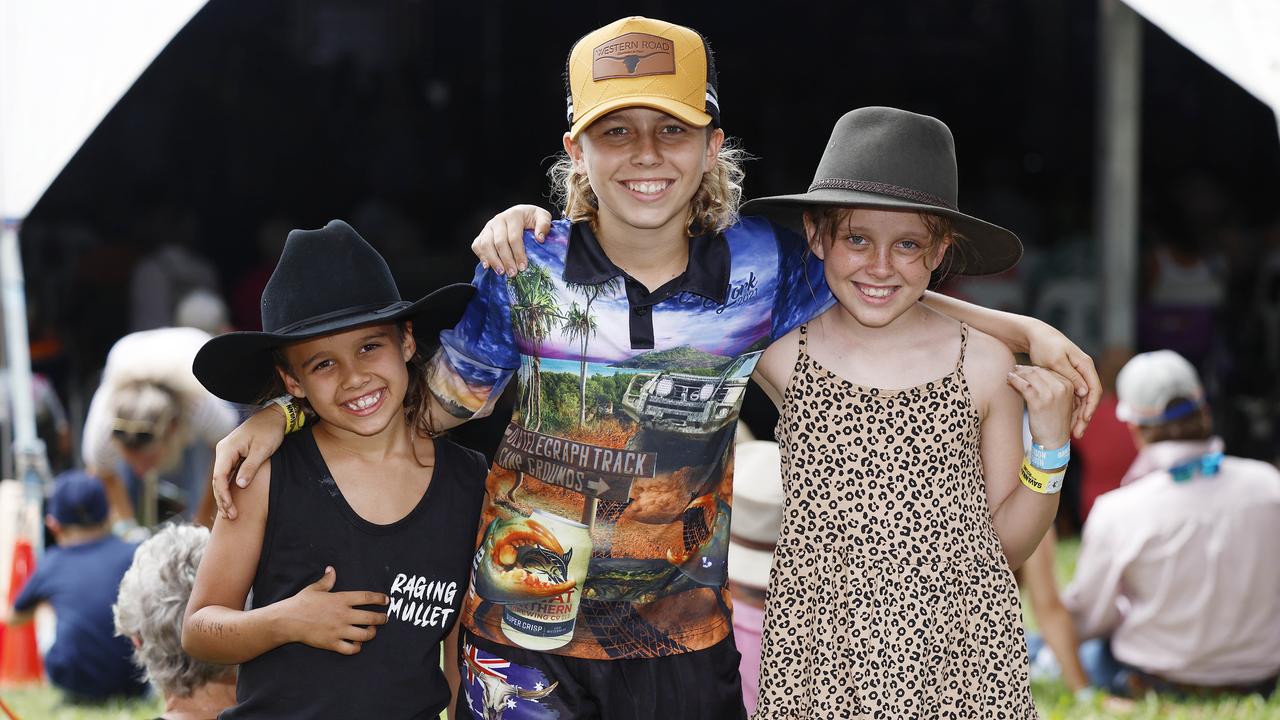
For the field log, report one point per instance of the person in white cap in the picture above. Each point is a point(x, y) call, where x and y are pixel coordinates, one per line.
point(757, 517)
point(1176, 576)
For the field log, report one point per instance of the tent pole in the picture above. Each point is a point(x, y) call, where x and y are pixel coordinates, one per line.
point(30, 463)
point(1118, 158)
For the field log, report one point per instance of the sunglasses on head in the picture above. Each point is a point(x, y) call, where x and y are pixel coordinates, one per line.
point(133, 434)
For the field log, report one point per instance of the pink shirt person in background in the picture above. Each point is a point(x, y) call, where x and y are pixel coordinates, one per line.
point(1177, 567)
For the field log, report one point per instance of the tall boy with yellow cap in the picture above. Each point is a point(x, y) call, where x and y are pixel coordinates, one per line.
point(601, 571)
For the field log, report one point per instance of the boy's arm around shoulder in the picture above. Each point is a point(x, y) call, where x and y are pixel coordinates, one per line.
point(1043, 343)
point(476, 358)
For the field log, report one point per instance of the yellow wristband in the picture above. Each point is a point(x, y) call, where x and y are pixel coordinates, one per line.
point(292, 418)
point(1037, 480)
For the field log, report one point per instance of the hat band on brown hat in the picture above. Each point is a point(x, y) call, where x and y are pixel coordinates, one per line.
point(880, 188)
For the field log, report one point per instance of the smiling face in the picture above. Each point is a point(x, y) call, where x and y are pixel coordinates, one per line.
point(356, 380)
point(877, 262)
point(644, 167)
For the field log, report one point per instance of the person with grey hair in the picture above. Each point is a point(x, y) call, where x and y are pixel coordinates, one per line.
point(149, 609)
point(151, 424)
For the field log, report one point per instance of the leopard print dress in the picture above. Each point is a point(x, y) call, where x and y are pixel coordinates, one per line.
point(889, 595)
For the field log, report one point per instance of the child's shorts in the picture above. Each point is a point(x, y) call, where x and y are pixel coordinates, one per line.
point(514, 684)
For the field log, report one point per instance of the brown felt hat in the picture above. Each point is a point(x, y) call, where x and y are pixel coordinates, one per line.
point(891, 159)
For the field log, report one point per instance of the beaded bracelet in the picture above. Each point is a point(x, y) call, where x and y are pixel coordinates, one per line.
point(1042, 458)
point(1037, 480)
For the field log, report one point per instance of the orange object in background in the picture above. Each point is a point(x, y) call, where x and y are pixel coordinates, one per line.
point(19, 656)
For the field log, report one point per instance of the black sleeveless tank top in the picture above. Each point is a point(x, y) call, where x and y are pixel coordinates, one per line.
point(422, 562)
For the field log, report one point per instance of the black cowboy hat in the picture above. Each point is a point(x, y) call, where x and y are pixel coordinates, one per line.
point(891, 159)
point(327, 281)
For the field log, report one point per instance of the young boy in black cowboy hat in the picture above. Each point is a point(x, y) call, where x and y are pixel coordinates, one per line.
point(360, 526)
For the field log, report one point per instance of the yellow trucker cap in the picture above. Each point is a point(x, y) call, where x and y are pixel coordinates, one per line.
point(639, 62)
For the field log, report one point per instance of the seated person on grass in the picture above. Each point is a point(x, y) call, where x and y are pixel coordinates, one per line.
point(79, 578)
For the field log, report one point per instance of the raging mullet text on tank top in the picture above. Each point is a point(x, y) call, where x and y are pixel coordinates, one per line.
point(421, 562)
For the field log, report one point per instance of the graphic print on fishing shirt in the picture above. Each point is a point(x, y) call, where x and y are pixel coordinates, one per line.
point(606, 525)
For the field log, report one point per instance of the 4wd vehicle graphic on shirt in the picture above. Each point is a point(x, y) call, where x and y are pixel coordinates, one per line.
point(689, 403)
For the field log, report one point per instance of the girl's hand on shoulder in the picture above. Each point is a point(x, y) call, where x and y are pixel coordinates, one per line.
point(500, 244)
point(331, 620)
point(1050, 398)
point(243, 452)
point(1050, 349)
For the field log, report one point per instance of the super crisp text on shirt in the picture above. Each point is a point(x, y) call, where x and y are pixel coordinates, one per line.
point(422, 602)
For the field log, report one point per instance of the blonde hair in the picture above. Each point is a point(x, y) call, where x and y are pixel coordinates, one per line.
point(714, 206)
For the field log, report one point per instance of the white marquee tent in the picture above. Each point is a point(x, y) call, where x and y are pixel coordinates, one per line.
point(63, 65)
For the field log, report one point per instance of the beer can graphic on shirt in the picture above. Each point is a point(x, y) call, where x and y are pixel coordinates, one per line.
point(547, 623)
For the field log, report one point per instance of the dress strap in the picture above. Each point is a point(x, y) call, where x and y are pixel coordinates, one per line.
point(802, 356)
point(964, 343)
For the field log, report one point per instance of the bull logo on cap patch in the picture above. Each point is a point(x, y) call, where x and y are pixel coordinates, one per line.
point(633, 55)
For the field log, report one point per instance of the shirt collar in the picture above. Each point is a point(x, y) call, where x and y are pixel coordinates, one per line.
point(1165, 454)
point(707, 274)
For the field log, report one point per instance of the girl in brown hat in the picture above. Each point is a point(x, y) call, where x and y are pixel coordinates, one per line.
point(891, 593)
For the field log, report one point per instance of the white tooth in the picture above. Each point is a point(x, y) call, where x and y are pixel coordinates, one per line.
point(364, 402)
point(648, 188)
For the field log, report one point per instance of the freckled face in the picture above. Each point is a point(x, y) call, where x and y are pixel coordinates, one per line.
point(355, 380)
point(879, 262)
point(644, 166)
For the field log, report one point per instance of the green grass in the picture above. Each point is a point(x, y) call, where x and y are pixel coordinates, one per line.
point(45, 703)
point(1056, 702)
point(1053, 699)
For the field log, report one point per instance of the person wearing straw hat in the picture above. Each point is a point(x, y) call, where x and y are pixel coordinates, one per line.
point(356, 539)
point(150, 429)
point(757, 516)
point(901, 431)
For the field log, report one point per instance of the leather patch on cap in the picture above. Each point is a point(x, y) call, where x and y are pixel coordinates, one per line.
point(633, 55)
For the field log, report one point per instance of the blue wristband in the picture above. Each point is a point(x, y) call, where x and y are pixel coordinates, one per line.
point(1043, 458)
